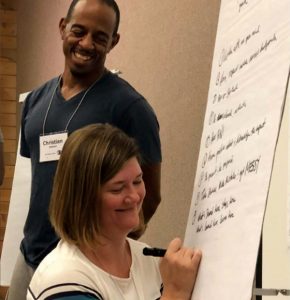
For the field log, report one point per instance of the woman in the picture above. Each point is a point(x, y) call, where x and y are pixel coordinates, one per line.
point(96, 202)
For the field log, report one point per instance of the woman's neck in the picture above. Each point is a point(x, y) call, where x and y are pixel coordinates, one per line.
point(114, 257)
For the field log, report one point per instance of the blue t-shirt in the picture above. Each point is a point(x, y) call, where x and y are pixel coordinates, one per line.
point(111, 100)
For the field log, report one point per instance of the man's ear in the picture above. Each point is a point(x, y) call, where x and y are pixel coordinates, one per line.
point(115, 41)
point(62, 27)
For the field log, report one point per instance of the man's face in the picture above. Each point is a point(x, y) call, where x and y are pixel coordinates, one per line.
point(88, 37)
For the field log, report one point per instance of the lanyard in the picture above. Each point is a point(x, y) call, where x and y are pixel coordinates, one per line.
point(51, 145)
point(75, 111)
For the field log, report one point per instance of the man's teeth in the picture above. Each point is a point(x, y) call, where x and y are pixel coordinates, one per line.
point(83, 57)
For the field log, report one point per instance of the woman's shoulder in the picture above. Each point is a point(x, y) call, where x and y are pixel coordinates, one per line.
point(63, 270)
point(65, 258)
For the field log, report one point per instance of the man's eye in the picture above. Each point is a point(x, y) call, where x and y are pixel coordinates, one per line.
point(78, 33)
point(101, 40)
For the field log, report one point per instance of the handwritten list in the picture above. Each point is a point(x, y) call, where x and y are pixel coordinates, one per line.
point(245, 105)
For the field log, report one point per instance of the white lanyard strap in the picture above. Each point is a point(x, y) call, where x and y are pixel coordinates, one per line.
point(75, 111)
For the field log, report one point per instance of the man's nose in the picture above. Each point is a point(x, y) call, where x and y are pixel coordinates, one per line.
point(87, 42)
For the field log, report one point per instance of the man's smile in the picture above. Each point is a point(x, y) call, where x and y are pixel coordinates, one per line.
point(83, 55)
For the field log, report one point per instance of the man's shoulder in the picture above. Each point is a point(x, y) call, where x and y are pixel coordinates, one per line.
point(42, 89)
point(120, 86)
point(123, 97)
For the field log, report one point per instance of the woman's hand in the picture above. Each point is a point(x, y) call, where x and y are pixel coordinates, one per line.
point(178, 270)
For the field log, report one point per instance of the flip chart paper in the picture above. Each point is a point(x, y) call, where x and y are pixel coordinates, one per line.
point(245, 104)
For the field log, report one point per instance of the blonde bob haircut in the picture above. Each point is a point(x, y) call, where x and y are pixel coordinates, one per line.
point(91, 156)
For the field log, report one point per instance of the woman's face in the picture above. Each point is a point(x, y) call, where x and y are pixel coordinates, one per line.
point(122, 198)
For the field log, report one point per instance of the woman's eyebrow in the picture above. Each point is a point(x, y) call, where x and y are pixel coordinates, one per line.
point(122, 181)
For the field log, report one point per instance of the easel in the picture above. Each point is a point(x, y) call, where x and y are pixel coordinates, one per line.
point(271, 292)
point(258, 292)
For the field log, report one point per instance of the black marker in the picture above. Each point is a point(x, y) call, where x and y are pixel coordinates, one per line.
point(154, 252)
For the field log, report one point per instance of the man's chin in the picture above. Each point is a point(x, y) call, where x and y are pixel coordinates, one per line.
point(81, 72)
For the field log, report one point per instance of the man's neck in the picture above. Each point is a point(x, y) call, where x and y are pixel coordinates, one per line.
point(72, 84)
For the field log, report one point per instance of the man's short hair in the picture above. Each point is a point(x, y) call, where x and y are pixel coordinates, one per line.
point(110, 3)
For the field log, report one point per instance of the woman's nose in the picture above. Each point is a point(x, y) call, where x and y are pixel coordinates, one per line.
point(134, 194)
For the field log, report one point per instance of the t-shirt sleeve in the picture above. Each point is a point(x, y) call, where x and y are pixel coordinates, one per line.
point(24, 149)
point(140, 122)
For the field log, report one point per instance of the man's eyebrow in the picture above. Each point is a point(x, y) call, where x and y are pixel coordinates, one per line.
point(77, 26)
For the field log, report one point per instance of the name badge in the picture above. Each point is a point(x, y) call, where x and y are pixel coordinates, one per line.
point(51, 146)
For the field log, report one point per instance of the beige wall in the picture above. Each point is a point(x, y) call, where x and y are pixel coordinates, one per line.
point(165, 51)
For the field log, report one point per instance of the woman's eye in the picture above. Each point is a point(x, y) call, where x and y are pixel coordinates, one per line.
point(137, 182)
point(117, 191)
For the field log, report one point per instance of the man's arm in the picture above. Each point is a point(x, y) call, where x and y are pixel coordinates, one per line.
point(152, 178)
point(140, 122)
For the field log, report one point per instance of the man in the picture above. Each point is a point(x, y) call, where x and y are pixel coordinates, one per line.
point(1, 158)
point(85, 93)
